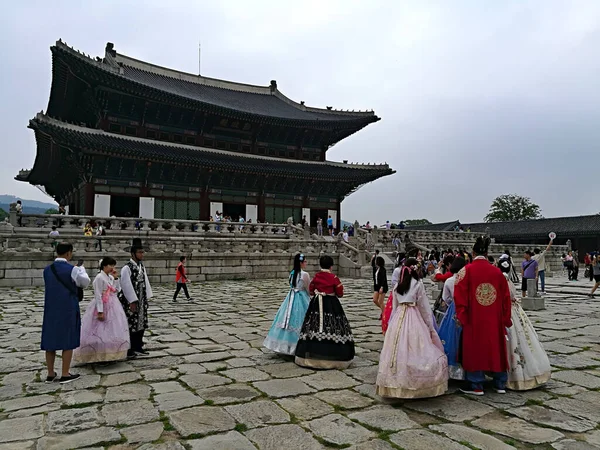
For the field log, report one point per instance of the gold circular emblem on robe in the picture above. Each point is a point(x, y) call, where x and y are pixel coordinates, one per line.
point(485, 294)
point(460, 275)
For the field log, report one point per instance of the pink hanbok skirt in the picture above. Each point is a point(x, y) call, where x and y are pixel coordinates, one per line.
point(103, 341)
point(412, 362)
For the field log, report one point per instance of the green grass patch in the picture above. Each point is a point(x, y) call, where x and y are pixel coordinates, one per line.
point(209, 402)
point(535, 402)
point(165, 420)
point(241, 428)
point(221, 369)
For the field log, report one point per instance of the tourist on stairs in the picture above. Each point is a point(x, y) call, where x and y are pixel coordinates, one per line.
point(412, 363)
point(483, 309)
point(104, 328)
point(326, 340)
point(181, 279)
point(285, 331)
point(61, 326)
point(450, 329)
point(134, 296)
point(528, 364)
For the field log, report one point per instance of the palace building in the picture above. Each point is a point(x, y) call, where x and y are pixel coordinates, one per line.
point(126, 138)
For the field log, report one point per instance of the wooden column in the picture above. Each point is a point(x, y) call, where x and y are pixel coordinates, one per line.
point(89, 200)
point(339, 216)
point(261, 208)
point(204, 205)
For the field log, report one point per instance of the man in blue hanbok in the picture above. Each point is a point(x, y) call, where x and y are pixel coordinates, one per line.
point(61, 328)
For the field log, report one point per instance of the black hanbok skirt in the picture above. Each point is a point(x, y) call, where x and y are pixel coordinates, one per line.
point(326, 340)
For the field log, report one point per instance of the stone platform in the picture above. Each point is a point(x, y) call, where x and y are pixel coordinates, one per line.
point(208, 384)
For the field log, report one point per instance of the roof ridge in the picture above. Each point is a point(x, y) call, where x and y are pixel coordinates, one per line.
point(114, 61)
point(44, 118)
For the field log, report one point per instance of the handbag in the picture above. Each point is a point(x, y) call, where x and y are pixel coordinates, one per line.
point(74, 289)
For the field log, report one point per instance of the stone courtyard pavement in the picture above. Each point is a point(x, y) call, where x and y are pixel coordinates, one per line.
point(209, 385)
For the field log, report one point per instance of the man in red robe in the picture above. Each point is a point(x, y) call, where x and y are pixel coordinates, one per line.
point(483, 307)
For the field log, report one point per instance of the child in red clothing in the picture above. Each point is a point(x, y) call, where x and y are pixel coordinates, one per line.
point(326, 340)
point(181, 279)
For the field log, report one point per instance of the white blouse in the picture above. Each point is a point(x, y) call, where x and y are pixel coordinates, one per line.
point(101, 283)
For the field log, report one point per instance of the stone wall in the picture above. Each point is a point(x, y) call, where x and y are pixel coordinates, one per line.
point(24, 256)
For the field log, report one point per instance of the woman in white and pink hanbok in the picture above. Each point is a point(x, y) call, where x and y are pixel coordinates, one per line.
point(528, 363)
point(104, 327)
point(412, 362)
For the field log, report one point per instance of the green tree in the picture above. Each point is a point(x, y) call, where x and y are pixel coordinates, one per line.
point(511, 207)
point(51, 211)
point(3, 214)
point(416, 222)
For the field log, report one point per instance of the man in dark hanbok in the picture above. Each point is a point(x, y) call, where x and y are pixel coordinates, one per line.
point(134, 296)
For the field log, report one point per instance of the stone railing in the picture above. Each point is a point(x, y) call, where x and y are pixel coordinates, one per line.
point(74, 225)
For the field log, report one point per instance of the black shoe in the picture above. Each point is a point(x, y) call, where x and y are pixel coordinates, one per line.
point(142, 352)
point(51, 379)
point(65, 380)
point(174, 300)
point(190, 299)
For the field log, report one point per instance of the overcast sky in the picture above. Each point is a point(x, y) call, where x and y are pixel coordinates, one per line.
point(477, 98)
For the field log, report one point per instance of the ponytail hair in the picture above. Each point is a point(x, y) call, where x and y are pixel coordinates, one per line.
point(408, 272)
point(298, 260)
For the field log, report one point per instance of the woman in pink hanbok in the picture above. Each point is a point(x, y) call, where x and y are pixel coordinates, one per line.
point(412, 362)
point(104, 327)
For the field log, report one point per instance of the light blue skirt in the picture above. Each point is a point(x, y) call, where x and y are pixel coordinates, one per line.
point(449, 333)
point(285, 331)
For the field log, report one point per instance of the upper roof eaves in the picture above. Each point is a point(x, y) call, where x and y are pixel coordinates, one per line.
point(261, 100)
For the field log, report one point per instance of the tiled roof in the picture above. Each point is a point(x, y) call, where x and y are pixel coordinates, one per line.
point(265, 101)
point(562, 226)
point(139, 148)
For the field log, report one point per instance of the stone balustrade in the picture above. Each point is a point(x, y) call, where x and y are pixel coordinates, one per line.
point(70, 225)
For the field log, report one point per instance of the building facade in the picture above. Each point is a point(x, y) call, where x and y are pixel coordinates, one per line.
point(126, 138)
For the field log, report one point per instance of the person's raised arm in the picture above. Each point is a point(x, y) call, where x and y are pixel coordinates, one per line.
point(549, 245)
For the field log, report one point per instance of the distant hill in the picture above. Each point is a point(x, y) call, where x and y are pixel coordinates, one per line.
point(29, 206)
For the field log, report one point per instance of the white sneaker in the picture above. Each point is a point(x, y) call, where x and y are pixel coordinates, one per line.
point(500, 391)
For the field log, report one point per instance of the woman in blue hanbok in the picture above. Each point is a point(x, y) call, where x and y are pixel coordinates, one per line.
point(450, 330)
point(285, 331)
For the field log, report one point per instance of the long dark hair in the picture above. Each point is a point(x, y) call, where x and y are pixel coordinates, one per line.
point(298, 260)
point(408, 272)
point(458, 263)
point(107, 261)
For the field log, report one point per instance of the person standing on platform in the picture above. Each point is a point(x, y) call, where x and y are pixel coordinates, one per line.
point(483, 309)
point(181, 279)
point(330, 225)
point(61, 327)
point(134, 296)
point(319, 227)
point(540, 257)
point(529, 271)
